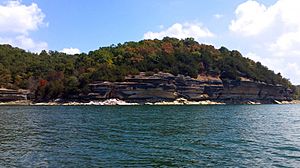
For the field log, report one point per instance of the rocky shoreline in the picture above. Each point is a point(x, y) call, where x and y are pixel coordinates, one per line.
point(163, 89)
point(113, 102)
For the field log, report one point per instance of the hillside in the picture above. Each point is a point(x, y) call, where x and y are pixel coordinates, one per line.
point(296, 90)
point(51, 75)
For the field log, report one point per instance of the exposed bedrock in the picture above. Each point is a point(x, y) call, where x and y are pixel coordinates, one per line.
point(167, 87)
point(13, 95)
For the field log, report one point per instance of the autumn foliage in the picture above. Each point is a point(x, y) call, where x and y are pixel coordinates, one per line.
point(54, 75)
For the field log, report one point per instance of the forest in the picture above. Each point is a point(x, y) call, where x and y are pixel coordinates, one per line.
point(52, 74)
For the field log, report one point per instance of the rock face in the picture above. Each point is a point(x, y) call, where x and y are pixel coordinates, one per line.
point(254, 91)
point(13, 95)
point(167, 87)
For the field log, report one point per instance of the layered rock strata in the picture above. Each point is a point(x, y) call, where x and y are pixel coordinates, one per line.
point(13, 95)
point(167, 87)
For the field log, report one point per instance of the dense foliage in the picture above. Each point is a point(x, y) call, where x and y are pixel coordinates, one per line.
point(53, 74)
point(297, 92)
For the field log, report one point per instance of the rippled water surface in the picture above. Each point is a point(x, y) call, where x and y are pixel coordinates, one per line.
point(189, 136)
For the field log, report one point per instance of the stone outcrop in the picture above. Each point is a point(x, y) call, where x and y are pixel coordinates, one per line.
point(243, 91)
point(7, 95)
point(167, 87)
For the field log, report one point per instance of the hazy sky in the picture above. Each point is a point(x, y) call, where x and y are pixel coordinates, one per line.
point(264, 30)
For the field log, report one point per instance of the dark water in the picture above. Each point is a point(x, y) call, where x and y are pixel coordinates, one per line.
point(150, 136)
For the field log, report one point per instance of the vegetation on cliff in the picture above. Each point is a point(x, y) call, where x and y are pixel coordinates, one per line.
point(53, 74)
point(296, 90)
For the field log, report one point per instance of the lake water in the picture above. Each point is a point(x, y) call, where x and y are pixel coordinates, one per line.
point(150, 136)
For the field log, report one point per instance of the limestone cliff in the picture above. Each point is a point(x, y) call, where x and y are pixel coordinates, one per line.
point(13, 95)
point(167, 87)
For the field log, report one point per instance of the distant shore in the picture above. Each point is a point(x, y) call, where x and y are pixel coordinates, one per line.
point(124, 103)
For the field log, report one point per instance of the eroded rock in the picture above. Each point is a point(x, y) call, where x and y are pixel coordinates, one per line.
point(165, 87)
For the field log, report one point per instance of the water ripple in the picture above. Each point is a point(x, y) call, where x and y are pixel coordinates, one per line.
point(150, 136)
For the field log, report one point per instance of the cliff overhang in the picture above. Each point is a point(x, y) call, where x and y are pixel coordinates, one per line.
point(167, 87)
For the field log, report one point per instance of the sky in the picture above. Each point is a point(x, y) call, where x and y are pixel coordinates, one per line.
point(267, 31)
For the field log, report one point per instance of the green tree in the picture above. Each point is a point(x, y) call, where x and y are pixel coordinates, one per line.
point(5, 76)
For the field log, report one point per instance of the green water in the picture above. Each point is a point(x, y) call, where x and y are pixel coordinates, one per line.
point(150, 136)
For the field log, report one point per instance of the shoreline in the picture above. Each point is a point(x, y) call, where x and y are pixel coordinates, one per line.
point(114, 102)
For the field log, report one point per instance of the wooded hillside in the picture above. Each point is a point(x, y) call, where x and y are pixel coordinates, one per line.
point(53, 74)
